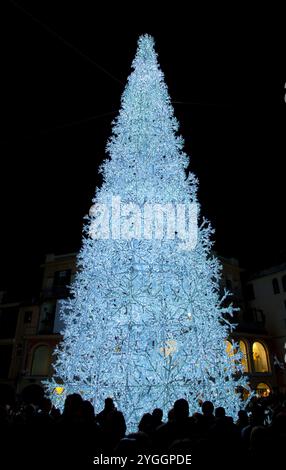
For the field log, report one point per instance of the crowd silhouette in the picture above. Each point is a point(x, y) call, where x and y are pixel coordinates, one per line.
point(40, 434)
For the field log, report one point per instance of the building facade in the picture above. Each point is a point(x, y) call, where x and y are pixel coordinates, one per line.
point(266, 295)
point(33, 330)
point(251, 335)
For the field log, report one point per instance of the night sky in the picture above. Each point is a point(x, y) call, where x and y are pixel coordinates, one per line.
point(64, 72)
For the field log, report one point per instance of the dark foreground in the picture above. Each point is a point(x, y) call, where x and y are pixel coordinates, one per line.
point(39, 436)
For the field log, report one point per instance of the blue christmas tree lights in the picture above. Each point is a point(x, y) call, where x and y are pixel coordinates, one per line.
point(145, 322)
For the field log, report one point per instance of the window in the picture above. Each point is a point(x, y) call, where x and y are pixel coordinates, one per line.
point(28, 316)
point(229, 348)
point(244, 360)
point(62, 278)
point(250, 292)
point(230, 352)
point(259, 357)
point(284, 282)
point(259, 316)
point(275, 285)
point(47, 316)
point(40, 363)
point(263, 390)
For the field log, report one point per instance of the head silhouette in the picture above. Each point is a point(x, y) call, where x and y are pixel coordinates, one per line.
point(72, 405)
point(207, 408)
point(109, 404)
point(146, 423)
point(220, 412)
point(157, 414)
point(181, 409)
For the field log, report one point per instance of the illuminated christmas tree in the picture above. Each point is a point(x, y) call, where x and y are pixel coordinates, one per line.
point(145, 323)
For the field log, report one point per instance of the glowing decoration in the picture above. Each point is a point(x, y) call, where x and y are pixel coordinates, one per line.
point(59, 390)
point(129, 333)
point(263, 390)
point(170, 348)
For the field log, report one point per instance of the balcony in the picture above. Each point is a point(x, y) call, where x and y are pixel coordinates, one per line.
point(252, 320)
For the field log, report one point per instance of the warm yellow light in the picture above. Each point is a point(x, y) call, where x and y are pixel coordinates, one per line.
point(59, 390)
point(169, 348)
point(263, 390)
point(229, 348)
point(259, 357)
point(244, 361)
